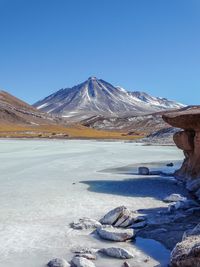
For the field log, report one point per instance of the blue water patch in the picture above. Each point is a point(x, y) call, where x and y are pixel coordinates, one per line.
point(153, 249)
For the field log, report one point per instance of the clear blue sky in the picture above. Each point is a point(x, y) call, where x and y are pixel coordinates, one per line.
point(149, 45)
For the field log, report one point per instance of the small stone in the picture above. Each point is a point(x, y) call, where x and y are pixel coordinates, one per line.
point(58, 263)
point(120, 217)
point(85, 223)
point(115, 234)
point(174, 198)
point(143, 171)
point(126, 264)
point(146, 259)
point(112, 216)
point(171, 164)
point(78, 261)
point(126, 221)
point(119, 253)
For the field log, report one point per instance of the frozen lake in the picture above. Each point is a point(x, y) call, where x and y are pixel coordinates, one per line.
point(47, 184)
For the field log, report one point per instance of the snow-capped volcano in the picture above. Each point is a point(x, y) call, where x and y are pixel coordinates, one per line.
point(98, 97)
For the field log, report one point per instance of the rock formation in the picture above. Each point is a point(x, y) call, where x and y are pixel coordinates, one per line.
point(121, 217)
point(188, 140)
point(187, 252)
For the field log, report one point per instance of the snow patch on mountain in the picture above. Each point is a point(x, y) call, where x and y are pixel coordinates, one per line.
point(98, 97)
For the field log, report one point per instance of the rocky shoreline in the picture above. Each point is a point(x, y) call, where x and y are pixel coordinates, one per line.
point(176, 226)
point(172, 226)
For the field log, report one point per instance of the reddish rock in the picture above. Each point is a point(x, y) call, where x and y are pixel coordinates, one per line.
point(184, 140)
point(186, 253)
point(187, 139)
point(188, 119)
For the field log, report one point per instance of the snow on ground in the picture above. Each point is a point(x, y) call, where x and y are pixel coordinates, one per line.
point(47, 184)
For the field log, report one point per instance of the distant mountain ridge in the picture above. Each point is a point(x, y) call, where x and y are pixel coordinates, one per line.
point(15, 111)
point(98, 97)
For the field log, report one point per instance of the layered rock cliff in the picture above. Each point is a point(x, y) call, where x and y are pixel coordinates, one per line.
point(188, 139)
point(187, 252)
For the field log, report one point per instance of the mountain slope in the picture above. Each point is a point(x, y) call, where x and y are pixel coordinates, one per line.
point(16, 111)
point(98, 97)
point(20, 120)
point(5, 97)
point(147, 123)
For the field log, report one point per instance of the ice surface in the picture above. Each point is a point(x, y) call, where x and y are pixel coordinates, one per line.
point(41, 193)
